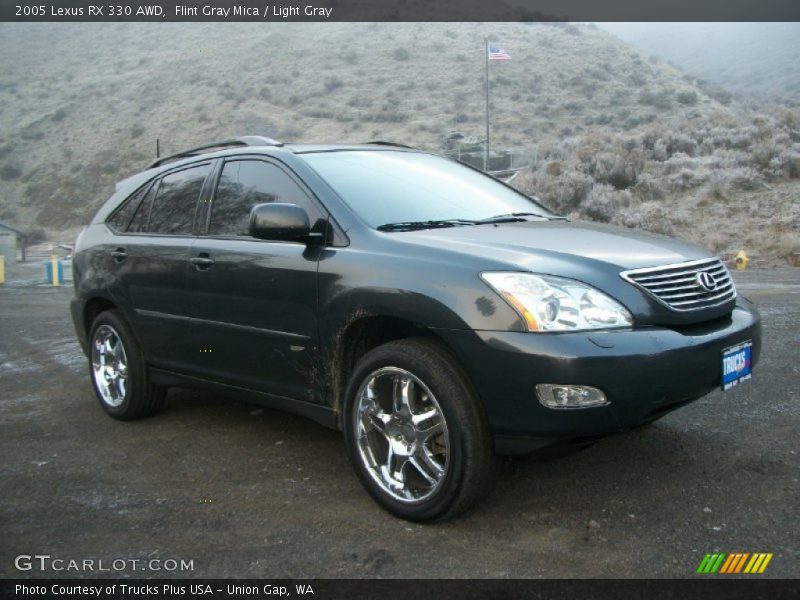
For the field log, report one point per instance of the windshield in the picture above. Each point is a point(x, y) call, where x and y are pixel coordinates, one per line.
point(386, 187)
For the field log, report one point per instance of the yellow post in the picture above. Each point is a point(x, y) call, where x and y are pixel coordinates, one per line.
point(741, 260)
point(54, 263)
point(2, 269)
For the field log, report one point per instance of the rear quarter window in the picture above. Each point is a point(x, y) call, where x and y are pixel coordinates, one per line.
point(121, 217)
point(139, 222)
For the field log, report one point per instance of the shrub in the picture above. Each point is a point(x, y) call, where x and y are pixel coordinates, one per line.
point(360, 101)
point(614, 168)
point(333, 83)
point(31, 133)
point(763, 153)
point(715, 92)
point(687, 98)
point(715, 190)
point(563, 192)
point(661, 98)
point(648, 188)
point(744, 178)
point(389, 113)
point(648, 216)
point(789, 163)
point(401, 54)
point(686, 179)
point(679, 142)
point(9, 172)
point(603, 202)
point(290, 132)
point(318, 113)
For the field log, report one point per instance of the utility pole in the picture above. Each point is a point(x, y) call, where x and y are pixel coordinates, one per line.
point(486, 145)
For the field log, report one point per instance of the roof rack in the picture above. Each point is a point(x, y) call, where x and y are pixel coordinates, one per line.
point(395, 144)
point(247, 140)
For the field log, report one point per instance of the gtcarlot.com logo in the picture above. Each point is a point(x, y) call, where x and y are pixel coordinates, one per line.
point(734, 562)
point(46, 562)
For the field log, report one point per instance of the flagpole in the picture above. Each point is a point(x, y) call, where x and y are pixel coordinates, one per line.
point(486, 146)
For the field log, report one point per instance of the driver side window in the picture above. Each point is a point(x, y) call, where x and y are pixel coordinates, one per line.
point(245, 183)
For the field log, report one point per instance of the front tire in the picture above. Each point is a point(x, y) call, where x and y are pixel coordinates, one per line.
point(118, 372)
point(415, 431)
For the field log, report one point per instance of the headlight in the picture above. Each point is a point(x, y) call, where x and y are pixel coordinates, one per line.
point(548, 303)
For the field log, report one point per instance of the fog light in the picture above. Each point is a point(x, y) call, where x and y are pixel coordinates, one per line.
point(569, 396)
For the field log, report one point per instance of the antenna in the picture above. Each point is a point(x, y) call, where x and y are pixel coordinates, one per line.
point(158, 148)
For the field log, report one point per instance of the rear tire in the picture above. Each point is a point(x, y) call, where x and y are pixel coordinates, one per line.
point(118, 372)
point(415, 431)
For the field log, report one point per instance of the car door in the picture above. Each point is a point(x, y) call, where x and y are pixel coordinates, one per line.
point(255, 301)
point(150, 265)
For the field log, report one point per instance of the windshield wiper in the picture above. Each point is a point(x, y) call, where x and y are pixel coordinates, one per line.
point(516, 217)
point(440, 223)
point(416, 225)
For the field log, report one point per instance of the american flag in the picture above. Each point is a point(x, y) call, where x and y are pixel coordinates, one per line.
point(496, 53)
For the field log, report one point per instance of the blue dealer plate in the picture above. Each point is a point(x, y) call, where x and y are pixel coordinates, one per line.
point(736, 364)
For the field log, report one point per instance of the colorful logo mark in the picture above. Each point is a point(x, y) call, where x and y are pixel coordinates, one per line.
point(735, 562)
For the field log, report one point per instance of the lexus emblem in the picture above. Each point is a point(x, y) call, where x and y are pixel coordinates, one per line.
point(706, 281)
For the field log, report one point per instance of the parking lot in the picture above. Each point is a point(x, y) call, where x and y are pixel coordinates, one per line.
point(243, 491)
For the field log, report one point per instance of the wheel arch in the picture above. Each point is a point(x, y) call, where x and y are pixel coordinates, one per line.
point(363, 332)
point(92, 308)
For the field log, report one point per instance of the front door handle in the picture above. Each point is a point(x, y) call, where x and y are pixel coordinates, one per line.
point(119, 254)
point(202, 262)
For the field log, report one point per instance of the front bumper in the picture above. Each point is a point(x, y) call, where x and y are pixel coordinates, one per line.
point(643, 372)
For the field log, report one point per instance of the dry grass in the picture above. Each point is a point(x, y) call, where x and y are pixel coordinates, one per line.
point(725, 183)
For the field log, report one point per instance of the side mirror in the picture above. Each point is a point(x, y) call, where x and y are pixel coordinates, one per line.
point(280, 222)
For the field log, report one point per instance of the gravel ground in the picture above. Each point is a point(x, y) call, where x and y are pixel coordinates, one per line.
point(248, 492)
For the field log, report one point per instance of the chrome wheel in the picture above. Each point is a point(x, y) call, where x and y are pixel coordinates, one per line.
point(401, 434)
point(109, 365)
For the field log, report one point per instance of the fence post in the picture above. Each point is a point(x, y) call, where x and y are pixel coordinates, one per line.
point(54, 265)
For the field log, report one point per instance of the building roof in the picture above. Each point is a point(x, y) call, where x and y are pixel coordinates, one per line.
point(7, 226)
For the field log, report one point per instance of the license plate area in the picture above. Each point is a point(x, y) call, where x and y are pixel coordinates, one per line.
point(736, 364)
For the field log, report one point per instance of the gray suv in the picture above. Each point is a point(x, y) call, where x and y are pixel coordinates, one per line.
point(435, 315)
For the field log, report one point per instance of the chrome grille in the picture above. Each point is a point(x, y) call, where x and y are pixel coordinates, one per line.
point(680, 286)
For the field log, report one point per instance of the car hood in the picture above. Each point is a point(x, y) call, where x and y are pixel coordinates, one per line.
point(526, 243)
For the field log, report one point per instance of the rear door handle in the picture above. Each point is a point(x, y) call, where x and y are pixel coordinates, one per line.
point(119, 254)
point(201, 262)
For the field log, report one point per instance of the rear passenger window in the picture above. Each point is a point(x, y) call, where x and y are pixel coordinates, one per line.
point(120, 219)
point(245, 183)
point(176, 199)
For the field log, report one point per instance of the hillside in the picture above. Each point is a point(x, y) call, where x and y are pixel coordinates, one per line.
point(757, 60)
point(82, 105)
